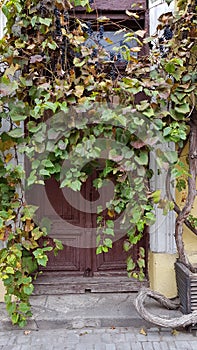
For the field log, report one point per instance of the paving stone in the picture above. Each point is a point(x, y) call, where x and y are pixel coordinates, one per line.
point(147, 346)
point(141, 337)
point(100, 346)
point(183, 345)
point(12, 340)
point(107, 338)
point(12, 347)
point(70, 338)
point(3, 339)
point(100, 330)
point(123, 346)
point(153, 336)
point(23, 339)
point(110, 347)
point(130, 336)
point(90, 338)
point(163, 346)
point(172, 345)
point(193, 344)
point(84, 347)
point(153, 329)
point(167, 336)
point(118, 338)
point(185, 335)
point(136, 346)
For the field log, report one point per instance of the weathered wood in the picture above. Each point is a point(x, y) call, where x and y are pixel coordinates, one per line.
point(183, 321)
point(116, 5)
point(76, 229)
point(46, 284)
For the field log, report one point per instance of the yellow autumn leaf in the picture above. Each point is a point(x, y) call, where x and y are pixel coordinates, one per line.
point(12, 69)
point(8, 157)
point(143, 332)
point(132, 14)
point(31, 47)
point(29, 226)
point(174, 332)
point(79, 89)
point(103, 19)
point(109, 41)
point(140, 33)
point(135, 49)
point(110, 213)
point(1, 235)
point(64, 32)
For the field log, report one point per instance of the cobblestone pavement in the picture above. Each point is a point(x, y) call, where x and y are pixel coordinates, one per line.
point(98, 339)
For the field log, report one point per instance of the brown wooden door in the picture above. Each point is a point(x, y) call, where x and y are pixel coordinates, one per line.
point(76, 228)
point(73, 221)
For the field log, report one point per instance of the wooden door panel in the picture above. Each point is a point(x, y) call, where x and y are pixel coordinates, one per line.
point(73, 221)
point(68, 259)
point(113, 260)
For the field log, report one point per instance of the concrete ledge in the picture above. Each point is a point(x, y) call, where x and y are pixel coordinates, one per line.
point(80, 311)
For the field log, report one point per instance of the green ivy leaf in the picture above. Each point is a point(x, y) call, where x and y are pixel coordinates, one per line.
point(130, 264)
point(9, 270)
point(142, 159)
point(99, 250)
point(184, 108)
point(45, 21)
point(16, 133)
point(108, 242)
point(24, 307)
point(15, 318)
point(28, 289)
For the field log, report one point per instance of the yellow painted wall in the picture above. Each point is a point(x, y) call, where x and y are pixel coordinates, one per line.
point(161, 266)
point(190, 239)
point(161, 273)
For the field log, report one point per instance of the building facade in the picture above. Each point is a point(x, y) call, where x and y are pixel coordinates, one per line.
point(108, 272)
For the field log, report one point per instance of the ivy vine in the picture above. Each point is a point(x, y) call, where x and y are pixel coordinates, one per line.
point(74, 96)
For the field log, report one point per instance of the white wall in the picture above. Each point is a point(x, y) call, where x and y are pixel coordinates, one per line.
point(156, 8)
point(2, 23)
point(162, 232)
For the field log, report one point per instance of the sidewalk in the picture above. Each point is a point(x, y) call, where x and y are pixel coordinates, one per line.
point(92, 321)
point(97, 339)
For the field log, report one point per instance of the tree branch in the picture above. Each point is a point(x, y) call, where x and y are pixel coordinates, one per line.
point(176, 207)
point(183, 215)
point(182, 321)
